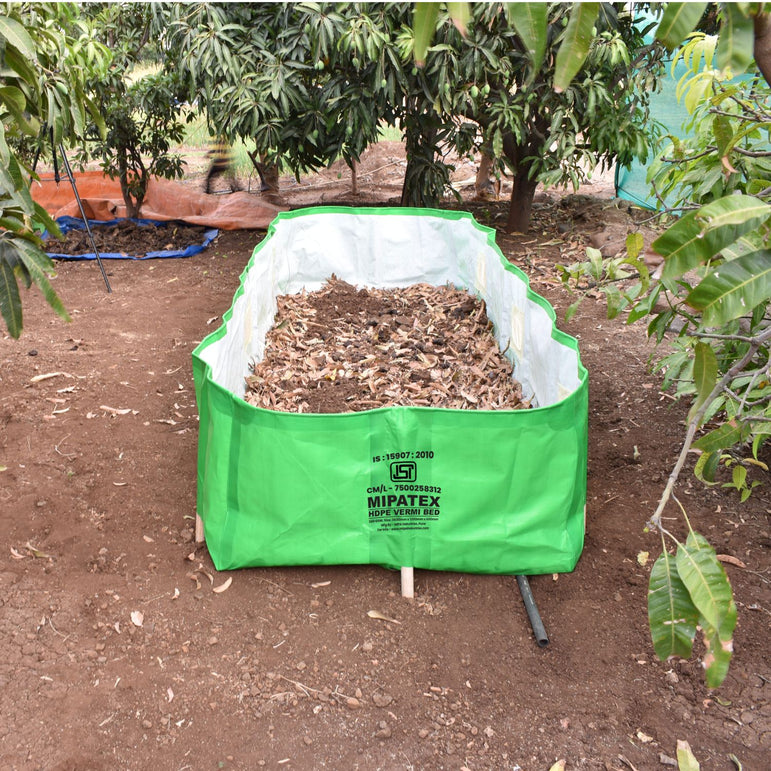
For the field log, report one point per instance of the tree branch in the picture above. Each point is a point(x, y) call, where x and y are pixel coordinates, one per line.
point(693, 424)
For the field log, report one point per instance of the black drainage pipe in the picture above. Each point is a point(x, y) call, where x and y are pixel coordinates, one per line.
point(532, 612)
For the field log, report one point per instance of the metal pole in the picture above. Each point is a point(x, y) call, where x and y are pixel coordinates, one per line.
point(83, 215)
point(532, 612)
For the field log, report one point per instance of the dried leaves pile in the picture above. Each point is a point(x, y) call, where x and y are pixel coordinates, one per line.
point(340, 349)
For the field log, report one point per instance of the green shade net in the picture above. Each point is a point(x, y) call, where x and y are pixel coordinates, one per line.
point(442, 489)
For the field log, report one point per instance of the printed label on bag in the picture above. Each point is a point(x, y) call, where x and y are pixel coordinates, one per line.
point(402, 502)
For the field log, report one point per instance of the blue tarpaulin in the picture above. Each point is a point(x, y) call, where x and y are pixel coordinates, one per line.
point(67, 224)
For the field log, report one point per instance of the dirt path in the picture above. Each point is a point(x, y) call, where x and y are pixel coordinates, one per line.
point(118, 654)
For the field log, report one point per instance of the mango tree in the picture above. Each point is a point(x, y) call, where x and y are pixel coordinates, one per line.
point(142, 114)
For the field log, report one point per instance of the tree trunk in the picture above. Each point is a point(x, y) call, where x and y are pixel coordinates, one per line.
point(354, 167)
point(521, 204)
point(762, 48)
point(268, 173)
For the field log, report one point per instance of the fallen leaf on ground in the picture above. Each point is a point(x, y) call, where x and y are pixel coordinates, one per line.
point(731, 560)
point(48, 376)
point(36, 552)
point(377, 614)
point(223, 587)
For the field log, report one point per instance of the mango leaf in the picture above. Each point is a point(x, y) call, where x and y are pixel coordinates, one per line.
point(575, 44)
point(727, 435)
point(672, 616)
point(678, 21)
point(699, 236)
point(707, 584)
point(634, 244)
point(717, 656)
point(424, 25)
point(721, 128)
point(531, 23)
point(704, 374)
point(737, 39)
point(733, 289)
point(10, 301)
point(16, 34)
point(744, 211)
point(746, 244)
point(35, 266)
point(683, 245)
point(460, 13)
point(706, 466)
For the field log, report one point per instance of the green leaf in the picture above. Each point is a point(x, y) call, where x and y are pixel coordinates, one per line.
point(10, 301)
point(727, 435)
point(743, 211)
point(704, 374)
point(672, 616)
point(424, 25)
point(678, 21)
point(634, 244)
point(706, 466)
point(17, 36)
point(737, 39)
point(721, 128)
point(613, 299)
point(38, 264)
point(707, 584)
point(460, 13)
point(530, 20)
point(575, 44)
point(717, 656)
point(683, 246)
point(699, 236)
point(733, 289)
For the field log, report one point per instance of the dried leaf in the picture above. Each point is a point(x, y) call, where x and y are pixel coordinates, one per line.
point(137, 617)
point(194, 577)
point(36, 552)
point(48, 376)
point(320, 584)
point(169, 695)
point(120, 484)
point(420, 345)
point(115, 410)
point(377, 614)
point(16, 555)
point(727, 558)
point(224, 586)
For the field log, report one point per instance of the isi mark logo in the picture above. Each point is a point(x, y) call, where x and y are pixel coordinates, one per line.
point(404, 471)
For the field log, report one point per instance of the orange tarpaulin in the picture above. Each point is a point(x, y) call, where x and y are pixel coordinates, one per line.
point(165, 200)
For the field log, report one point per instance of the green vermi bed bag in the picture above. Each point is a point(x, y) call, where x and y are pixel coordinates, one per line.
point(442, 489)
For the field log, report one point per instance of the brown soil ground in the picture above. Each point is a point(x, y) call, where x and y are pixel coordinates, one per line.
point(285, 669)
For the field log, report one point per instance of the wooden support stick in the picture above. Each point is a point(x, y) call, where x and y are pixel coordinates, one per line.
point(199, 534)
point(408, 582)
